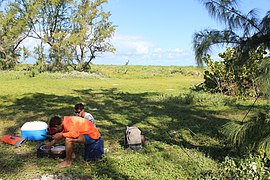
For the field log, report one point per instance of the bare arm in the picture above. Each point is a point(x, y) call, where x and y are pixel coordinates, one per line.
point(57, 137)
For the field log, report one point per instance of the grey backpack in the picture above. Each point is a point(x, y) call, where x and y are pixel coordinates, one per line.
point(133, 138)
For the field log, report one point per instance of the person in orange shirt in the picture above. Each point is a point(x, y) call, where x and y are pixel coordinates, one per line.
point(73, 129)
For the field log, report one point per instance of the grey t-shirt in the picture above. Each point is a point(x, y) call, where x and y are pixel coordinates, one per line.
point(89, 117)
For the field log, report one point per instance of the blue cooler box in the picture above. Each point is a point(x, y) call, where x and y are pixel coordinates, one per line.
point(33, 130)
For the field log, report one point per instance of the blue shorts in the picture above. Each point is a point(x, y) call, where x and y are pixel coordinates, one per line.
point(93, 149)
point(88, 139)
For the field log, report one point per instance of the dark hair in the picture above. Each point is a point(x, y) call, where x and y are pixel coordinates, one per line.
point(79, 106)
point(55, 120)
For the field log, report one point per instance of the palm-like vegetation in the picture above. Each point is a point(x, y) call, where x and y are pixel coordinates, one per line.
point(250, 135)
point(245, 31)
point(264, 79)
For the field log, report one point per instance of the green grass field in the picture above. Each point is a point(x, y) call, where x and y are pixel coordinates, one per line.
point(182, 125)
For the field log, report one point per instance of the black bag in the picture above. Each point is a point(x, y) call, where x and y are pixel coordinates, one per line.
point(133, 138)
point(94, 151)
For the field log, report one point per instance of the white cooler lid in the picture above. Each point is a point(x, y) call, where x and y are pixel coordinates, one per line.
point(35, 125)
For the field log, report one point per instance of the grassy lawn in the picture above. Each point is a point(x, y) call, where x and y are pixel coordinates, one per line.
point(183, 126)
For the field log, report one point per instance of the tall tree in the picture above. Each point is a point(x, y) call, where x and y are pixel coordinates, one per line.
point(245, 31)
point(50, 25)
point(90, 33)
point(13, 30)
point(71, 32)
point(75, 31)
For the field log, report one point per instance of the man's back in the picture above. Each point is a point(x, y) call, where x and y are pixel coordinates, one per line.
point(74, 126)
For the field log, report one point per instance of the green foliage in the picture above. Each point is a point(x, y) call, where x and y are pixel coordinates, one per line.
point(252, 167)
point(70, 33)
point(40, 65)
point(264, 78)
point(182, 126)
point(251, 135)
point(12, 28)
point(245, 31)
point(231, 77)
point(78, 31)
point(114, 102)
point(90, 33)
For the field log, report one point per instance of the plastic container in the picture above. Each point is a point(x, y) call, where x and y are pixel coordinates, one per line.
point(34, 130)
point(43, 152)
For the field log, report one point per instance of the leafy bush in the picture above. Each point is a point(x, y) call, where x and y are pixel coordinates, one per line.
point(264, 78)
point(252, 167)
point(232, 77)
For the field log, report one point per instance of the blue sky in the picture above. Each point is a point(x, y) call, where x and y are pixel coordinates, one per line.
point(159, 32)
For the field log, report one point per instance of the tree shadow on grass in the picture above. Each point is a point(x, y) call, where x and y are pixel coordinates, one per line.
point(36, 107)
point(12, 161)
point(113, 110)
point(162, 116)
point(39, 106)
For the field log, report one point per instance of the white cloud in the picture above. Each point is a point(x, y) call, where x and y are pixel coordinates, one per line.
point(157, 50)
point(140, 51)
point(132, 45)
point(170, 53)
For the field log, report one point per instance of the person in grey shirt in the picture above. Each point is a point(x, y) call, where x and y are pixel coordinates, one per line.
point(79, 111)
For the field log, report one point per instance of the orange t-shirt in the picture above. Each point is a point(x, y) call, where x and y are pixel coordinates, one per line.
point(74, 126)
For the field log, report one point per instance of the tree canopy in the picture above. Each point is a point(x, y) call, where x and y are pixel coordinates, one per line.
point(70, 33)
point(245, 67)
point(244, 31)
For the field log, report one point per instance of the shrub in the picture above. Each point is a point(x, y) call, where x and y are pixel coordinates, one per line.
point(232, 77)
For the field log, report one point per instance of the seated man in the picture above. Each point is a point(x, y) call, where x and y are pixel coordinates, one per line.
point(79, 111)
point(74, 130)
